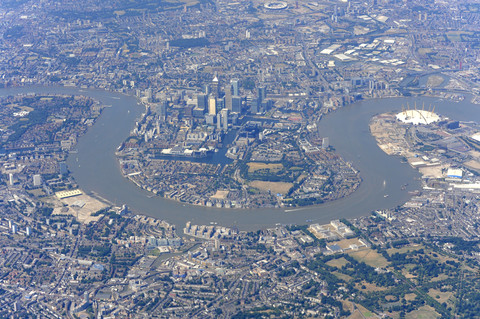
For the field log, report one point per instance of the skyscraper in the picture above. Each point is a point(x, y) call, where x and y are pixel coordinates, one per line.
point(254, 107)
point(261, 94)
point(212, 105)
point(236, 104)
point(258, 106)
point(202, 101)
point(228, 97)
point(214, 86)
point(162, 110)
point(149, 94)
point(224, 113)
point(234, 83)
point(219, 121)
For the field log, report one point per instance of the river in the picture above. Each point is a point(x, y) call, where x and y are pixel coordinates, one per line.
point(95, 167)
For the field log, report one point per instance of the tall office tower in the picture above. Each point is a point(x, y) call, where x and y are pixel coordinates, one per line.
point(212, 105)
point(228, 97)
point(236, 104)
point(219, 121)
point(267, 105)
point(254, 107)
point(234, 83)
point(220, 103)
point(162, 110)
point(261, 93)
point(214, 86)
point(202, 101)
point(149, 94)
point(224, 113)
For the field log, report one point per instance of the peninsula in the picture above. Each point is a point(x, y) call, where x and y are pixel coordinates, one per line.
point(212, 151)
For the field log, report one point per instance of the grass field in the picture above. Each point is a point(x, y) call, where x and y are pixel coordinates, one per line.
point(338, 263)
point(37, 192)
point(365, 312)
point(473, 164)
point(369, 287)
point(434, 80)
point(456, 36)
point(253, 167)
point(425, 50)
point(441, 259)
point(274, 187)
point(370, 257)
point(342, 276)
point(406, 271)
point(404, 249)
point(345, 243)
point(442, 296)
point(356, 315)
point(425, 312)
point(440, 277)
point(220, 194)
point(410, 297)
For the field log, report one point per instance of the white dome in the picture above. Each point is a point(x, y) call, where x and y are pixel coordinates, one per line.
point(417, 117)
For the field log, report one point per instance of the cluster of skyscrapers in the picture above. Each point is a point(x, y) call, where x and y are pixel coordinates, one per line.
point(217, 108)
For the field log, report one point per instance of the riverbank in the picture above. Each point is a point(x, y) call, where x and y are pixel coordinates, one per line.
point(95, 166)
point(272, 167)
point(443, 152)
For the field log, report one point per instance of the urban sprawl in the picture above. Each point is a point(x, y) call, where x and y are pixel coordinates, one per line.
point(233, 96)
